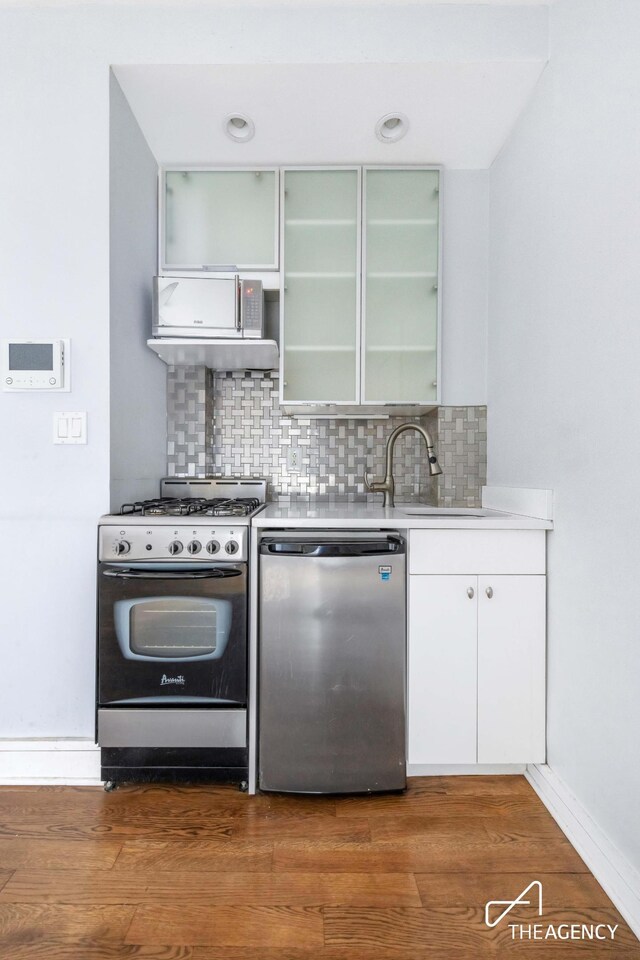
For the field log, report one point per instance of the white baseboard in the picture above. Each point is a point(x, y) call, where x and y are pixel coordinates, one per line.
point(618, 878)
point(463, 769)
point(55, 761)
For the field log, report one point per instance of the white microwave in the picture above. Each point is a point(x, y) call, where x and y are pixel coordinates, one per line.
point(215, 307)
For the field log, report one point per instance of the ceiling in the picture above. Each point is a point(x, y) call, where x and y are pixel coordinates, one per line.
point(460, 113)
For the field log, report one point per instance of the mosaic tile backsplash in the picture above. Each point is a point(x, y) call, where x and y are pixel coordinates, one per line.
point(189, 415)
point(461, 445)
point(232, 425)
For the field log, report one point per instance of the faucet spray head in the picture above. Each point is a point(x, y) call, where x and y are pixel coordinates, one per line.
point(433, 465)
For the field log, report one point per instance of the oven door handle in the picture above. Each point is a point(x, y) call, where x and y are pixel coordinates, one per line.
point(130, 574)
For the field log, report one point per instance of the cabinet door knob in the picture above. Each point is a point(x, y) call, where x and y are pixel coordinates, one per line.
point(471, 593)
point(489, 592)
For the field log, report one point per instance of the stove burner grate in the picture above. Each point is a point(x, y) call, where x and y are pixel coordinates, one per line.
point(191, 506)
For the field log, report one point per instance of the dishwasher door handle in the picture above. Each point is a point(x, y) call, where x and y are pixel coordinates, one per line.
point(324, 548)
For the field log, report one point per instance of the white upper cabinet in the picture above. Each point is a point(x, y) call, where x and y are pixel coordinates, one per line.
point(400, 292)
point(359, 296)
point(320, 298)
point(357, 254)
point(219, 219)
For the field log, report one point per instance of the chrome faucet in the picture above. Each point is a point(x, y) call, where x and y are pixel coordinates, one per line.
point(387, 486)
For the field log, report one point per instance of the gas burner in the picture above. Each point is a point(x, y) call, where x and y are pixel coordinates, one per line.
point(160, 507)
point(152, 507)
point(230, 508)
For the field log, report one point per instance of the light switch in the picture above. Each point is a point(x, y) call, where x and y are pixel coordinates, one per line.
point(70, 428)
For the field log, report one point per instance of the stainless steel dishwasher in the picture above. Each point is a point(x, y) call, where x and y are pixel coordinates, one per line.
point(332, 662)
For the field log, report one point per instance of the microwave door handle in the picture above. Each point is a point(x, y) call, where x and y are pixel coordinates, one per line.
point(238, 306)
point(130, 574)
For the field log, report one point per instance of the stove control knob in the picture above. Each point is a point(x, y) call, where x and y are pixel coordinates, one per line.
point(194, 547)
point(175, 547)
point(122, 547)
point(231, 546)
point(213, 546)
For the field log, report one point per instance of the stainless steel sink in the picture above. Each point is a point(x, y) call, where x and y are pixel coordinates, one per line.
point(441, 513)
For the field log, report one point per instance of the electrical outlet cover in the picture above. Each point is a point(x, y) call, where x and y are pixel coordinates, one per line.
point(294, 459)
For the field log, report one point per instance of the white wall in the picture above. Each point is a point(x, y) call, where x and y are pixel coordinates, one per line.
point(465, 283)
point(54, 257)
point(564, 389)
point(54, 263)
point(138, 377)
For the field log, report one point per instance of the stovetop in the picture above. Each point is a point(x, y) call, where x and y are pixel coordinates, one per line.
point(193, 519)
point(196, 500)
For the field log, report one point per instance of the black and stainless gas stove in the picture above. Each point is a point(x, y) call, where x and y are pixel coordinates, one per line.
point(172, 632)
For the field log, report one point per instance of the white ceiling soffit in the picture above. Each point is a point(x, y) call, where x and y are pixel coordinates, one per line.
point(460, 114)
point(289, 3)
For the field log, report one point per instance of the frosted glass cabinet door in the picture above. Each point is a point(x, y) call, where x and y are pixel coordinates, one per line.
point(400, 302)
point(321, 286)
point(220, 218)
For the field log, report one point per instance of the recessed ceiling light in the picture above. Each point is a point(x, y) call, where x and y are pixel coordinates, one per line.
point(391, 127)
point(238, 127)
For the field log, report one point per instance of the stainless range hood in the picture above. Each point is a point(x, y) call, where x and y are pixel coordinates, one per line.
point(219, 355)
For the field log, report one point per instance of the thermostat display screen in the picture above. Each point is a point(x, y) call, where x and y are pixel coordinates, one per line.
point(30, 356)
point(34, 365)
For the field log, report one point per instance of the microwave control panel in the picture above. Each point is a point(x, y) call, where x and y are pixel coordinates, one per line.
point(252, 300)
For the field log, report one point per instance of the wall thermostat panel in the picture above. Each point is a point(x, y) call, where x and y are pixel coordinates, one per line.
point(34, 365)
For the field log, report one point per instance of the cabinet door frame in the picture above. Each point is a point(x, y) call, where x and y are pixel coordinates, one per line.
point(189, 269)
point(325, 168)
point(419, 401)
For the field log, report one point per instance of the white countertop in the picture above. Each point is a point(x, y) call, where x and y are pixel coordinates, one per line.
point(354, 516)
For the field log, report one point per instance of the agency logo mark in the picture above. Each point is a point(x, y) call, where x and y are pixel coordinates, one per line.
point(510, 904)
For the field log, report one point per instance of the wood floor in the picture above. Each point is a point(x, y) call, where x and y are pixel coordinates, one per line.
point(207, 873)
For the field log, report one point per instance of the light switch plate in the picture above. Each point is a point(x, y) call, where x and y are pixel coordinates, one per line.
point(70, 428)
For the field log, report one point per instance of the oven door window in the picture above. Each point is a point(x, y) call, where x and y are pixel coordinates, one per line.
point(172, 628)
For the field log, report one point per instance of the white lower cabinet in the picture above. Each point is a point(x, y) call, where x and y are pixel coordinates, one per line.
point(511, 669)
point(443, 676)
point(476, 691)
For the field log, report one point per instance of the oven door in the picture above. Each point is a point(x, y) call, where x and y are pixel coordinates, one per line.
point(172, 634)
